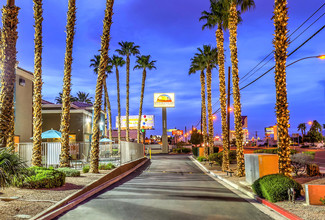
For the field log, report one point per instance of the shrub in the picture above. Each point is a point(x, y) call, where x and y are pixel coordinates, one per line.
point(273, 151)
point(300, 161)
point(186, 150)
point(107, 166)
point(40, 177)
point(11, 166)
point(304, 146)
point(232, 155)
point(275, 187)
point(216, 157)
point(182, 150)
point(85, 169)
point(313, 170)
point(201, 158)
point(69, 172)
point(195, 151)
point(311, 153)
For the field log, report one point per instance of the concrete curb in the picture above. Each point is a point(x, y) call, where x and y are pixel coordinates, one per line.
point(88, 191)
point(276, 208)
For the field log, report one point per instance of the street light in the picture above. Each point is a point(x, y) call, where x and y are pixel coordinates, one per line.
point(322, 57)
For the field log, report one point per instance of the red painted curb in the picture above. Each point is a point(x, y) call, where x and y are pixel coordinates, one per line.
point(278, 209)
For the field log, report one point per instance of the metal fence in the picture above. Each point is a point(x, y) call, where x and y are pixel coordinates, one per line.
point(79, 152)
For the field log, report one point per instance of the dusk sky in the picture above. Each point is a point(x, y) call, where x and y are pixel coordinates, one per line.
point(170, 32)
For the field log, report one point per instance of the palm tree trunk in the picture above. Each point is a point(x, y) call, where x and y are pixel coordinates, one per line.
point(37, 93)
point(105, 110)
point(233, 20)
point(141, 103)
point(281, 43)
point(223, 98)
point(109, 116)
point(66, 102)
point(127, 97)
point(99, 86)
point(210, 118)
point(9, 38)
point(203, 107)
point(118, 105)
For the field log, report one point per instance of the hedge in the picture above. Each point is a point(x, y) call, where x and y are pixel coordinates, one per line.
point(107, 166)
point(69, 172)
point(40, 177)
point(275, 187)
point(273, 151)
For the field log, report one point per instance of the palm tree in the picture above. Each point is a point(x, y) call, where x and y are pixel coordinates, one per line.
point(198, 64)
point(37, 85)
point(66, 93)
point(243, 6)
point(128, 49)
point(58, 99)
point(118, 62)
point(143, 62)
point(281, 43)
point(302, 127)
point(209, 57)
point(107, 105)
point(218, 16)
point(9, 37)
point(84, 97)
point(99, 85)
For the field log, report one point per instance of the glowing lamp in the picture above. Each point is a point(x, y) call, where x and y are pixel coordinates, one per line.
point(322, 57)
point(310, 122)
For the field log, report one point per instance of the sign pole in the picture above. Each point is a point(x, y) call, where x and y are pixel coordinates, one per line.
point(164, 135)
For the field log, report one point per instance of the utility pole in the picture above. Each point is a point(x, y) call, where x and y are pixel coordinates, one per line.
point(185, 135)
point(228, 108)
point(256, 138)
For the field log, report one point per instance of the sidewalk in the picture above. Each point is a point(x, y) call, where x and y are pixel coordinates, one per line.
point(298, 210)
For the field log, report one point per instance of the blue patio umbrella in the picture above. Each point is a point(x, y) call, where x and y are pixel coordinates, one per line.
point(50, 134)
point(106, 140)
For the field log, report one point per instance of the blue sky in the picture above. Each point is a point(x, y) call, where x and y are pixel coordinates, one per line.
point(170, 32)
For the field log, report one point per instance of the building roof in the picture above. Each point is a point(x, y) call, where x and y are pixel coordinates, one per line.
point(25, 71)
point(46, 102)
point(82, 104)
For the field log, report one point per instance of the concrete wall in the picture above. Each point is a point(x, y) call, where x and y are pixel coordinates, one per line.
point(24, 105)
point(131, 151)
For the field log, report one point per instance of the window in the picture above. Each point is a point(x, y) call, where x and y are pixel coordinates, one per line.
point(21, 82)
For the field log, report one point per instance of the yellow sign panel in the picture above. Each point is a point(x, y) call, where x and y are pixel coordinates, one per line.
point(147, 122)
point(164, 100)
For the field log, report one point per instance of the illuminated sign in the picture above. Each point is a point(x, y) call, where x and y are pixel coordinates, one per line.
point(147, 122)
point(269, 130)
point(177, 132)
point(164, 100)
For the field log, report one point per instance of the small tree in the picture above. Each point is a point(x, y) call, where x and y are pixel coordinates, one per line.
point(314, 132)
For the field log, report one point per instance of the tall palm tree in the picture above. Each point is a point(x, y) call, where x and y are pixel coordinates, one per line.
point(143, 62)
point(198, 64)
point(128, 49)
point(37, 85)
point(302, 127)
point(281, 43)
point(66, 93)
point(94, 156)
point(209, 57)
point(84, 97)
point(218, 16)
point(58, 99)
point(9, 37)
point(234, 5)
point(118, 62)
point(107, 105)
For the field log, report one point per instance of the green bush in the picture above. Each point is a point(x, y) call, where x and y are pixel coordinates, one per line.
point(273, 151)
point(304, 146)
point(275, 187)
point(216, 157)
point(69, 172)
point(311, 153)
point(107, 166)
point(11, 166)
point(232, 155)
point(195, 151)
point(201, 158)
point(40, 177)
point(85, 169)
point(182, 150)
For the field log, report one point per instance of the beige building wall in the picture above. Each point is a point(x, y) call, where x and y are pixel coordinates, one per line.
point(24, 105)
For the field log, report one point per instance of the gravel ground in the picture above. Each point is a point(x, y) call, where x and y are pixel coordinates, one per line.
point(34, 201)
point(299, 208)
